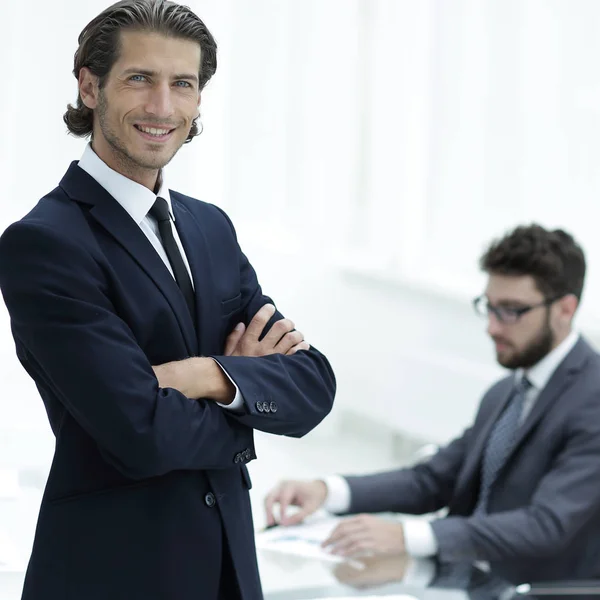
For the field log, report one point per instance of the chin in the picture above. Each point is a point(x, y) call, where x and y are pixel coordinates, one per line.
point(505, 360)
point(154, 160)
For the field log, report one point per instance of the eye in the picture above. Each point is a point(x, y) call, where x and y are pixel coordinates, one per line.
point(183, 84)
point(137, 78)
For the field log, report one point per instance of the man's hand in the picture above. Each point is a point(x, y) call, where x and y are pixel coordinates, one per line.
point(378, 570)
point(198, 377)
point(366, 534)
point(309, 496)
point(281, 338)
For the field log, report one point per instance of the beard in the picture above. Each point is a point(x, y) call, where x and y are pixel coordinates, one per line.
point(127, 160)
point(537, 349)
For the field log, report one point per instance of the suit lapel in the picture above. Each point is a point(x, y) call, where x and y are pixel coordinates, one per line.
point(557, 385)
point(116, 221)
point(197, 251)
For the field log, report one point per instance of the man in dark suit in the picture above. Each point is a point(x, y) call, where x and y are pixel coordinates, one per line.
point(522, 484)
point(147, 334)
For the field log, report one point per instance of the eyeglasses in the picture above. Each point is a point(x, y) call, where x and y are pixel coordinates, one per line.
point(504, 314)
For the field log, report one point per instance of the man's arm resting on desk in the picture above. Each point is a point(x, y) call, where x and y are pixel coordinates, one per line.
point(565, 501)
point(418, 537)
point(419, 540)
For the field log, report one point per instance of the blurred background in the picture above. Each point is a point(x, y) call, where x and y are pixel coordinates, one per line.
point(367, 152)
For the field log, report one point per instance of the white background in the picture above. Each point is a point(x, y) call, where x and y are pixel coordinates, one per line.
point(367, 151)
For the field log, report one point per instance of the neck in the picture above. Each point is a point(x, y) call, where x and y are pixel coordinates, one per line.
point(122, 164)
point(559, 338)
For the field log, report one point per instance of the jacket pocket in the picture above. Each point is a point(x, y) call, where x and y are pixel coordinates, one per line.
point(230, 306)
point(96, 493)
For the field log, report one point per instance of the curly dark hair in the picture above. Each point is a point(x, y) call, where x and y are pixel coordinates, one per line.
point(99, 47)
point(553, 258)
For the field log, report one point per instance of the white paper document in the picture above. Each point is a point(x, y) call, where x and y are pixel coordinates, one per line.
point(303, 540)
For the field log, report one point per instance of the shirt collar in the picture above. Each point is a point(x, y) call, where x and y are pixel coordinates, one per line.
point(135, 198)
point(540, 373)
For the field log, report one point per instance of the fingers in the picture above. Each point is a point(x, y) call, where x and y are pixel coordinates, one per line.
point(300, 346)
point(286, 497)
point(260, 319)
point(345, 529)
point(288, 341)
point(350, 537)
point(299, 516)
point(233, 339)
point(270, 500)
point(354, 545)
point(277, 332)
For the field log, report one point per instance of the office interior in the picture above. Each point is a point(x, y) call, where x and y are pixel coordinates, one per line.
point(367, 151)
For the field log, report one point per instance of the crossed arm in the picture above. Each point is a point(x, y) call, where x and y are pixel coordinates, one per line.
point(87, 363)
point(202, 377)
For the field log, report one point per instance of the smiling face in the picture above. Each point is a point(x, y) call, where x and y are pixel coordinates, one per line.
point(144, 112)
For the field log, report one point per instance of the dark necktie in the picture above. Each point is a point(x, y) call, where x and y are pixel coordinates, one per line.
point(160, 211)
point(500, 443)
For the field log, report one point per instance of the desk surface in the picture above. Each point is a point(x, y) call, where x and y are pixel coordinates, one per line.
point(284, 577)
point(287, 577)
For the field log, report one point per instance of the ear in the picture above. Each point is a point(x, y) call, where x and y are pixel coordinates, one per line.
point(198, 104)
point(567, 305)
point(88, 88)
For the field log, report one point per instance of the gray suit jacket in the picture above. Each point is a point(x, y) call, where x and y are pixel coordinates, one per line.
point(544, 508)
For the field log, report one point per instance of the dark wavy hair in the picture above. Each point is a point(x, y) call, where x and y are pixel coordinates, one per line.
point(99, 47)
point(553, 258)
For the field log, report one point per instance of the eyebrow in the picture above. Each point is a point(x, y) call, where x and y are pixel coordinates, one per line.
point(178, 76)
point(513, 303)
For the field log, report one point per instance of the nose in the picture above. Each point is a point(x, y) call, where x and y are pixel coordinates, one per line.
point(160, 102)
point(494, 325)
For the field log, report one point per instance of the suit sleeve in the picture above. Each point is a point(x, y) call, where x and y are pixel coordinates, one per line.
point(287, 395)
point(421, 489)
point(565, 501)
point(75, 345)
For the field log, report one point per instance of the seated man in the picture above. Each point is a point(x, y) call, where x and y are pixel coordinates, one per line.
point(522, 484)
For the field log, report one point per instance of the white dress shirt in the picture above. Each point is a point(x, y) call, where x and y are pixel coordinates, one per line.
point(137, 200)
point(419, 538)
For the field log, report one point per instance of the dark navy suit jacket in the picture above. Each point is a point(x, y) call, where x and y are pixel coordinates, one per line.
point(147, 488)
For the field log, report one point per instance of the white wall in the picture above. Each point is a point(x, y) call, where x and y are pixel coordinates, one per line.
point(367, 151)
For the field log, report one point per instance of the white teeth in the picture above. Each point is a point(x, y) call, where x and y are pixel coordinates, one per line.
point(154, 131)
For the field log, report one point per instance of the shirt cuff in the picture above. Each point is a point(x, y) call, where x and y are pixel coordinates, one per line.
point(420, 572)
point(338, 494)
point(419, 538)
point(238, 399)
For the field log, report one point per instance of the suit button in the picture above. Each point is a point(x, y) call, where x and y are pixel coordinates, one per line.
point(259, 407)
point(238, 458)
point(273, 407)
point(266, 407)
point(210, 500)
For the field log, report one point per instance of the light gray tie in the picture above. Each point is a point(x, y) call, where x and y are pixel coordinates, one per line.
point(500, 443)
